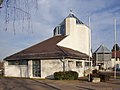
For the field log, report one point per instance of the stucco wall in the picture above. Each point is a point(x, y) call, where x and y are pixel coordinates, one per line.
point(83, 40)
point(81, 70)
point(48, 67)
point(15, 70)
point(115, 62)
point(70, 24)
point(30, 69)
point(72, 66)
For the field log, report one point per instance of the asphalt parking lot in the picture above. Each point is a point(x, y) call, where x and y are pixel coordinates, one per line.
point(35, 84)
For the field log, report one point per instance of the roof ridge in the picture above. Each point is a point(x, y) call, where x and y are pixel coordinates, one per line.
point(102, 49)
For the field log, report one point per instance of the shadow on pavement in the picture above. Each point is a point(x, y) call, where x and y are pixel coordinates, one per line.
point(47, 85)
point(84, 88)
point(12, 83)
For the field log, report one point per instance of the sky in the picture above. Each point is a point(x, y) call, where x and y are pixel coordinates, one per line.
point(47, 14)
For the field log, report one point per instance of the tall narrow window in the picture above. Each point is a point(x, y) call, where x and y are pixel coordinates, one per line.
point(36, 68)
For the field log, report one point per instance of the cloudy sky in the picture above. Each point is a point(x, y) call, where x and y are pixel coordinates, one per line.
point(46, 14)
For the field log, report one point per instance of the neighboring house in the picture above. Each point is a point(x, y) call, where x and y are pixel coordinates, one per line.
point(67, 50)
point(1, 67)
point(103, 57)
point(117, 61)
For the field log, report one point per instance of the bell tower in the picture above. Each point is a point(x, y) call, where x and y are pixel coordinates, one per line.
point(77, 34)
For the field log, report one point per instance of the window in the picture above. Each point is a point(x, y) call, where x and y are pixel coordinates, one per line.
point(78, 64)
point(13, 62)
point(18, 62)
point(36, 68)
point(23, 62)
point(70, 64)
point(87, 64)
point(59, 30)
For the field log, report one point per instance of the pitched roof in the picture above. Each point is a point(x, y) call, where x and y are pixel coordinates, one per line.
point(102, 49)
point(116, 46)
point(77, 20)
point(46, 50)
point(73, 16)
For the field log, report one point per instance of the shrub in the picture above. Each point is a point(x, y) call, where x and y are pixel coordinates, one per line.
point(67, 75)
point(104, 77)
point(95, 71)
point(59, 75)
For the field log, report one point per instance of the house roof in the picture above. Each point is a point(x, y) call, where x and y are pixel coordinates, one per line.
point(116, 46)
point(46, 50)
point(117, 54)
point(102, 49)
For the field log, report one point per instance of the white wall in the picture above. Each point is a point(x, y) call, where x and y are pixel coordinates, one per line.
point(30, 72)
point(70, 25)
point(15, 70)
point(48, 67)
point(115, 62)
point(80, 70)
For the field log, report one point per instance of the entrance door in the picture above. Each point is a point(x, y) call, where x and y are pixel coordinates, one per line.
point(36, 68)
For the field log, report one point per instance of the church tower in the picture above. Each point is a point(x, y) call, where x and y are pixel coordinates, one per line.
point(77, 34)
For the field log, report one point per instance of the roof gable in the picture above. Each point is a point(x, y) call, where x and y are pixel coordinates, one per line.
point(102, 49)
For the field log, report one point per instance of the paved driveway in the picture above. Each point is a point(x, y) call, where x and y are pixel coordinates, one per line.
point(33, 84)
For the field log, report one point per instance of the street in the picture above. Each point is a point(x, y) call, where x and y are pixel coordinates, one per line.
point(35, 84)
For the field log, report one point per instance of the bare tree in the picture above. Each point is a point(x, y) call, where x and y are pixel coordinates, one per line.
point(17, 11)
point(1, 1)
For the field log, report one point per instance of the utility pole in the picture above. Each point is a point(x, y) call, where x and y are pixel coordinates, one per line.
point(115, 39)
point(89, 48)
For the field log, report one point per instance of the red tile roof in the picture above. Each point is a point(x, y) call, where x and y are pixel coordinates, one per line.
point(47, 50)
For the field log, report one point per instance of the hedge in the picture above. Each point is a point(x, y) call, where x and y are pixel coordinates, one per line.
point(102, 77)
point(67, 75)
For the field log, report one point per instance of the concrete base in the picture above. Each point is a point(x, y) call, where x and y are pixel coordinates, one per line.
point(96, 80)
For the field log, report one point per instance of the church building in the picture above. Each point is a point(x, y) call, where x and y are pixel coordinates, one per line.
point(68, 49)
